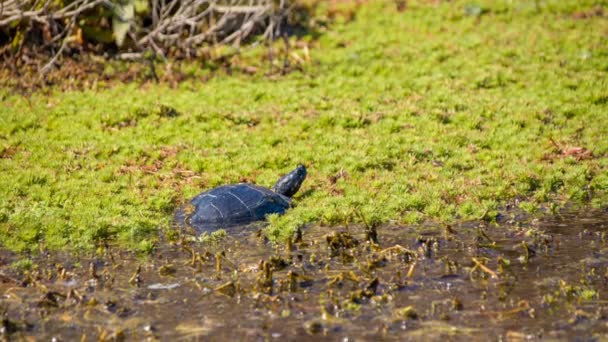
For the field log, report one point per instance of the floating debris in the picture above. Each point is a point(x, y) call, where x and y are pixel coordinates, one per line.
point(159, 286)
point(329, 283)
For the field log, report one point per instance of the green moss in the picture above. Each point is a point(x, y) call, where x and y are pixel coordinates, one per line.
point(214, 238)
point(588, 294)
point(528, 207)
point(23, 265)
point(438, 112)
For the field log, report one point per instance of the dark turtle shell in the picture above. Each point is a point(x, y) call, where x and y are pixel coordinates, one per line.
point(232, 205)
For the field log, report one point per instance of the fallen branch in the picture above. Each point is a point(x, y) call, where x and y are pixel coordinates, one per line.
point(173, 26)
point(484, 268)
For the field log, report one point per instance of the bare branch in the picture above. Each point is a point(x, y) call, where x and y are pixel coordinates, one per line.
point(174, 24)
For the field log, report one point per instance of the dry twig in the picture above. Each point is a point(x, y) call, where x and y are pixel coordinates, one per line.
point(182, 25)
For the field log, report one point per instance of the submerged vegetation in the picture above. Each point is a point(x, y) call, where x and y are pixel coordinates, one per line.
point(445, 112)
point(530, 280)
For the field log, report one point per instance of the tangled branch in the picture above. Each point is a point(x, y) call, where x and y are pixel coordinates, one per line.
point(188, 23)
point(162, 26)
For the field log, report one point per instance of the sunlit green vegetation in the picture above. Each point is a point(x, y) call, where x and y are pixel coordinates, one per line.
point(444, 112)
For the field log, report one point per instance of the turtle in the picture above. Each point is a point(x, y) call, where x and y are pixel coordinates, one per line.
point(239, 204)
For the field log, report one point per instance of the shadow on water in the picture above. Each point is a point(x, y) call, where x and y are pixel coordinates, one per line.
point(535, 279)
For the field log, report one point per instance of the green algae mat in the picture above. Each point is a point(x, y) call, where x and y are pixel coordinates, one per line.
point(438, 112)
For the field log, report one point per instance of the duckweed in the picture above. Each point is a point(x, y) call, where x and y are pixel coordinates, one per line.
point(445, 112)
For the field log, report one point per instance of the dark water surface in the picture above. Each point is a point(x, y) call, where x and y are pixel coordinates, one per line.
point(528, 279)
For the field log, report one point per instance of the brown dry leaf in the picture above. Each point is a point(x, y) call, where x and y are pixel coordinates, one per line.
point(579, 153)
point(8, 152)
point(334, 190)
point(170, 151)
point(249, 70)
point(340, 174)
point(246, 179)
point(597, 11)
point(151, 169)
point(401, 5)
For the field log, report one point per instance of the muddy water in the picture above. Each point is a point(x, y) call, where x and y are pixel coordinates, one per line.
point(523, 279)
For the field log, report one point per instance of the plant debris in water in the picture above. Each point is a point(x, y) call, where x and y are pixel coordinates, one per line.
point(542, 278)
point(445, 112)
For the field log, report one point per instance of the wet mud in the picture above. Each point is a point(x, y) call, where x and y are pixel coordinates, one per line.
point(520, 279)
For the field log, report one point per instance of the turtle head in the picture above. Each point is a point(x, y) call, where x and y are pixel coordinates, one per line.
point(289, 184)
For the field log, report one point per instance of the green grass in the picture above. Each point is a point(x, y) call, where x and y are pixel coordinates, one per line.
point(438, 112)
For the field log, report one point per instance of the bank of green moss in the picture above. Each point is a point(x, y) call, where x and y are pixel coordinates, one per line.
point(443, 112)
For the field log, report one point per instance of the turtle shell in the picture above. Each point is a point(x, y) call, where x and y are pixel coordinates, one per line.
point(236, 204)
